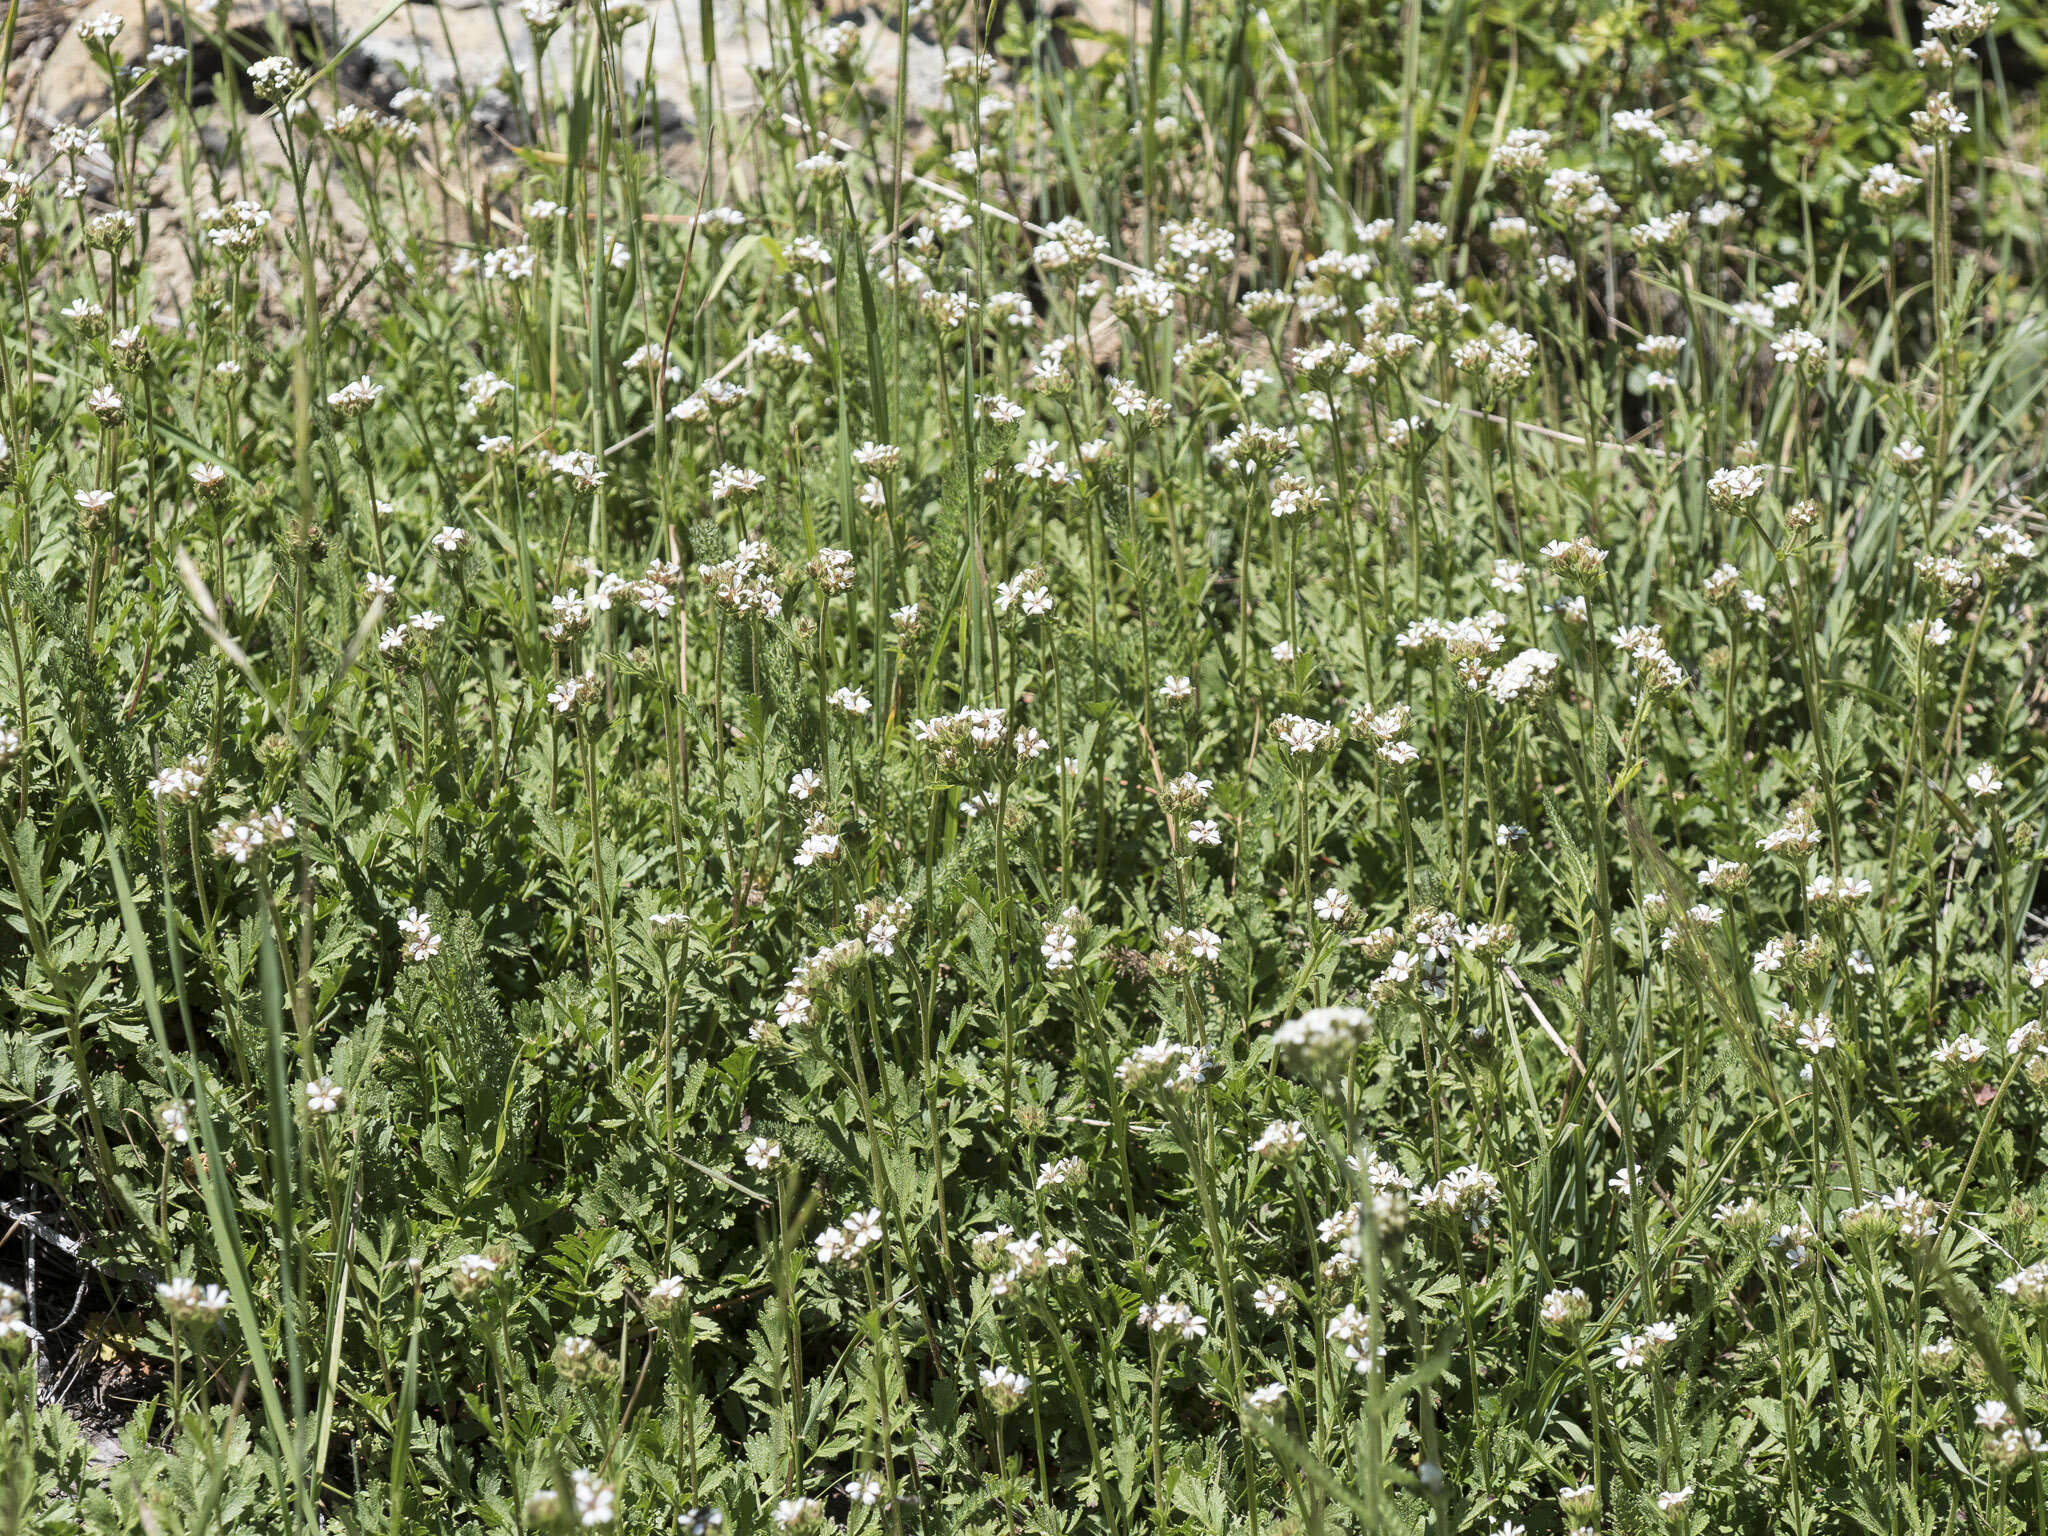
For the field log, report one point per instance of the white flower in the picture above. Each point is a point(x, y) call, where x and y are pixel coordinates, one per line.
point(1940, 116)
point(1004, 1388)
point(568, 697)
point(729, 482)
point(797, 1514)
point(1273, 1300)
point(184, 1300)
point(323, 1096)
point(1799, 348)
point(1302, 737)
point(1061, 1173)
point(1059, 948)
point(1816, 1035)
point(354, 398)
point(1734, 488)
point(1281, 1141)
point(101, 27)
point(596, 1500)
point(820, 846)
point(877, 458)
point(421, 942)
point(1887, 188)
point(848, 1244)
point(1673, 1502)
point(1322, 1036)
point(579, 468)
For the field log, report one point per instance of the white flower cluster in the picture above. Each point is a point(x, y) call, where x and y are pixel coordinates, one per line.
point(574, 694)
point(2028, 1286)
point(1069, 249)
point(1183, 950)
point(1174, 1317)
point(977, 732)
point(1354, 1330)
point(1299, 736)
point(883, 924)
point(1477, 636)
point(849, 1243)
point(1385, 728)
point(1323, 1037)
point(1060, 944)
point(1468, 1193)
point(1163, 1067)
point(242, 840)
point(1644, 645)
point(14, 1334)
point(1417, 960)
point(1251, 450)
point(236, 228)
point(1500, 360)
point(596, 1500)
point(1026, 594)
point(421, 943)
point(1564, 1311)
point(1024, 1259)
point(1579, 197)
point(1724, 586)
point(801, 1514)
point(745, 585)
point(1345, 1231)
point(1888, 189)
point(1796, 835)
point(183, 781)
point(1004, 1388)
point(1061, 1173)
point(1529, 678)
point(189, 1304)
point(2006, 1442)
point(1281, 1141)
point(1637, 1351)
point(1523, 151)
point(821, 842)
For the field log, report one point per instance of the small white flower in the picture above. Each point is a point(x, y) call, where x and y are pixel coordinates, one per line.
point(1334, 907)
point(421, 942)
point(354, 398)
point(1816, 1035)
point(323, 1096)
